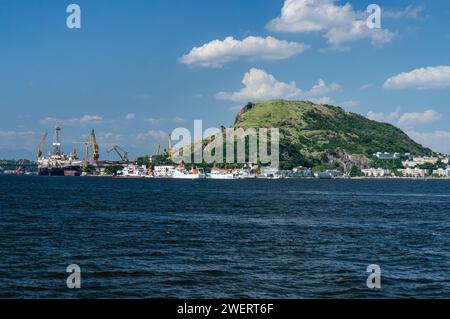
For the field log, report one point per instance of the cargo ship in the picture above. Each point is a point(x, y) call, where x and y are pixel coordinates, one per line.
point(58, 163)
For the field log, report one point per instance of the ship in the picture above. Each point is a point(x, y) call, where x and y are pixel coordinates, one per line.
point(182, 173)
point(57, 163)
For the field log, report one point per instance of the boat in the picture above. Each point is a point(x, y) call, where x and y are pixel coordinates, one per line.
point(57, 163)
point(134, 171)
point(217, 173)
point(182, 173)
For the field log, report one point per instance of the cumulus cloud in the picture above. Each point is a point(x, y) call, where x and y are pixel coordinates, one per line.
point(130, 116)
point(438, 141)
point(349, 103)
point(421, 79)
point(260, 85)
point(216, 53)
point(321, 89)
point(159, 121)
point(16, 133)
point(339, 23)
point(382, 117)
point(406, 119)
point(429, 116)
point(82, 121)
point(152, 134)
point(410, 11)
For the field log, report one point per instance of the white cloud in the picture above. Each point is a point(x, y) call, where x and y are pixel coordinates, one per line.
point(130, 116)
point(152, 134)
point(216, 53)
point(321, 89)
point(382, 117)
point(16, 133)
point(423, 78)
point(350, 103)
point(438, 141)
point(159, 121)
point(260, 85)
point(82, 121)
point(410, 11)
point(429, 116)
point(340, 24)
point(358, 30)
point(406, 119)
point(178, 120)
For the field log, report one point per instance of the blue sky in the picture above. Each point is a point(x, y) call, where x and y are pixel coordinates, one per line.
point(132, 71)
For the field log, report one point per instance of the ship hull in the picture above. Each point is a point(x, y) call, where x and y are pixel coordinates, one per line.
point(53, 171)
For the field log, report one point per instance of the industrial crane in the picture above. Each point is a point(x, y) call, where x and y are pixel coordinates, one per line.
point(170, 147)
point(41, 145)
point(95, 148)
point(123, 156)
point(86, 150)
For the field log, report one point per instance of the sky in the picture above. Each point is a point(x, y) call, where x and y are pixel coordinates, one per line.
point(137, 69)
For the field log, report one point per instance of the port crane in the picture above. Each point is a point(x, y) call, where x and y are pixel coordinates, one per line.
point(158, 149)
point(120, 152)
point(86, 150)
point(41, 145)
point(95, 148)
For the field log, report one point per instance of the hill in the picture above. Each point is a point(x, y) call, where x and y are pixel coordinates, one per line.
point(314, 135)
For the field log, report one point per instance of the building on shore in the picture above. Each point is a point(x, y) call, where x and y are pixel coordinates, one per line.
point(385, 156)
point(414, 172)
point(420, 161)
point(441, 172)
point(376, 172)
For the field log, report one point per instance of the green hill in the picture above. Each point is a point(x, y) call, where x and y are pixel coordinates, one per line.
point(312, 134)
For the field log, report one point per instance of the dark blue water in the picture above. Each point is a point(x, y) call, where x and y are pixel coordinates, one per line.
point(233, 239)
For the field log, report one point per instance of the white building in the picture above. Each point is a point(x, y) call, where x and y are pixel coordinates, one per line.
point(164, 171)
point(387, 156)
point(376, 172)
point(420, 161)
point(414, 172)
point(441, 172)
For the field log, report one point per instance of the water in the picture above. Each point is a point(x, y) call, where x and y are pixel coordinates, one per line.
point(232, 239)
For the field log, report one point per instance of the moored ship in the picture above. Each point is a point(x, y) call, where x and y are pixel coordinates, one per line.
point(57, 163)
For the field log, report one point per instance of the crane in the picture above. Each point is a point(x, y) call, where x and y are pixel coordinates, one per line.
point(170, 147)
point(123, 156)
point(41, 144)
point(94, 147)
point(86, 149)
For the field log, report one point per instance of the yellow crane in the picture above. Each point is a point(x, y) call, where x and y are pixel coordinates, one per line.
point(41, 145)
point(95, 148)
point(170, 147)
point(86, 150)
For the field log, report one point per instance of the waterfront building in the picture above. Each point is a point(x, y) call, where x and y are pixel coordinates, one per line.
point(385, 156)
point(420, 161)
point(441, 172)
point(376, 172)
point(414, 172)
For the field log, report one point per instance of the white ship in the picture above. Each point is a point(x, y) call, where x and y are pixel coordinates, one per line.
point(182, 173)
point(135, 171)
point(217, 173)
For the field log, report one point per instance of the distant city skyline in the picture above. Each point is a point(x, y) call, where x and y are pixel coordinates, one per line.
point(137, 70)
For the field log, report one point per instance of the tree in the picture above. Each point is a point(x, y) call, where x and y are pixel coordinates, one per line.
point(355, 172)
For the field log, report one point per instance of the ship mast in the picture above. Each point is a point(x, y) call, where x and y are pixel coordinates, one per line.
point(56, 140)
